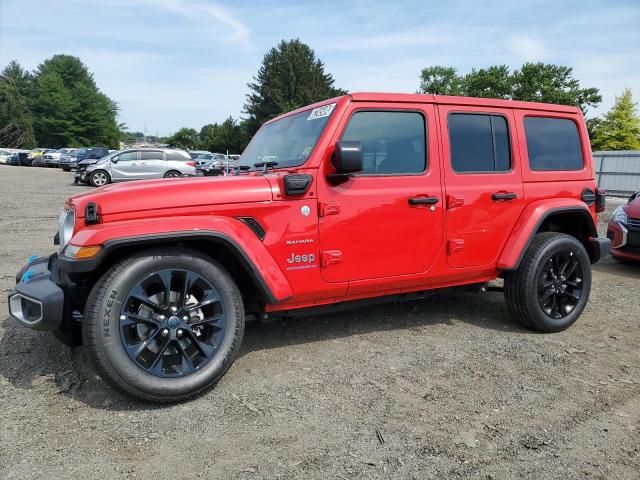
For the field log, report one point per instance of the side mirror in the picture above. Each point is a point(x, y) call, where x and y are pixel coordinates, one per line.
point(348, 157)
point(114, 160)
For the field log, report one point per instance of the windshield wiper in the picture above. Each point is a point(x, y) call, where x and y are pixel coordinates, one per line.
point(265, 165)
point(240, 168)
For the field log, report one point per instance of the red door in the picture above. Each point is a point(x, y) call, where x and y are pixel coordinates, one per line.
point(483, 182)
point(387, 220)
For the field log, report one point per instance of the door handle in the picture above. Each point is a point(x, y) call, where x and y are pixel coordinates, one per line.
point(424, 201)
point(503, 197)
point(134, 164)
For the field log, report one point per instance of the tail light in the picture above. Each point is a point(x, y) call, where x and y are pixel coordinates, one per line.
point(191, 164)
point(601, 198)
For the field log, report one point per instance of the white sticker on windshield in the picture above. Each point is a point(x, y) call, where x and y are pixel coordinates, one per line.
point(320, 112)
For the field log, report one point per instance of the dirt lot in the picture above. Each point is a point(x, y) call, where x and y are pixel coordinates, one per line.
point(443, 388)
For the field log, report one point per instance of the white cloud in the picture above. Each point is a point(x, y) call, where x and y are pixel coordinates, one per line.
point(526, 48)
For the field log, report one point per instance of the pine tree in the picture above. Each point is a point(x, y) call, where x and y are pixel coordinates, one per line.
point(69, 109)
point(620, 127)
point(16, 120)
point(290, 77)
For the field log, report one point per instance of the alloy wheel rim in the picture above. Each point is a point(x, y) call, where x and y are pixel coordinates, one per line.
point(99, 179)
point(560, 284)
point(172, 323)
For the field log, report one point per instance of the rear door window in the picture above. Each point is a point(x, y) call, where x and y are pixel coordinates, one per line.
point(553, 144)
point(479, 143)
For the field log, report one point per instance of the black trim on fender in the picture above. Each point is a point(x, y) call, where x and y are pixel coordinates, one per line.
point(71, 266)
point(592, 230)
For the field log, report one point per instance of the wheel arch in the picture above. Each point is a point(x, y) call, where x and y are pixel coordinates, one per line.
point(242, 254)
point(572, 219)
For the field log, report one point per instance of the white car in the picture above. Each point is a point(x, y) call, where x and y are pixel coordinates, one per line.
point(4, 155)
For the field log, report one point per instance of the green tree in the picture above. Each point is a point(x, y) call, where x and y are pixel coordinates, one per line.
point(492, 82)
point(547, 83)
point(290, 77)
point(16, 120)
point(185, 138)
point(68, 107)
point(227, 136)
point(620, 127)
point(439, 80)
point(533, 82)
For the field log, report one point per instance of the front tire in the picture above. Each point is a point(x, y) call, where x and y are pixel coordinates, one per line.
point(99, 178)
point(550, 288)
point(164, 325)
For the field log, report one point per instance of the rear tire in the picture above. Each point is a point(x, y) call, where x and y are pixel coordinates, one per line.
point(550, 288)
point(141, 351)
point(172, 174)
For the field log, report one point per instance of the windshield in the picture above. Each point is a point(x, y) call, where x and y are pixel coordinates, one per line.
point(288, 141)
point(81, 151)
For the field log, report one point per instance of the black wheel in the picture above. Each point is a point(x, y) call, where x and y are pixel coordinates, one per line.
point(172, 174)
point(66, 169)
point(164, 325)
point(99, 178)
point(550, 289)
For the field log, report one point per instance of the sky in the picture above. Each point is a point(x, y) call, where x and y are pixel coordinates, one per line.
point(176, 63)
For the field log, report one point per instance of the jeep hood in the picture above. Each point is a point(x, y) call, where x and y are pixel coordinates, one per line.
point(147, 195)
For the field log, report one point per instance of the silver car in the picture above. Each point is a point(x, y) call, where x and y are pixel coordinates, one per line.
point(139, 164)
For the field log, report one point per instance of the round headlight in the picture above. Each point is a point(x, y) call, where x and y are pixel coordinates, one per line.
point(66, 225)
point(620, 214)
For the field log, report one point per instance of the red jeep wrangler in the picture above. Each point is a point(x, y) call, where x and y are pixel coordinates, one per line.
point(361, 198)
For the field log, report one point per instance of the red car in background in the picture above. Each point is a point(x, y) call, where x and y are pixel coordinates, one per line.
point(624, 230)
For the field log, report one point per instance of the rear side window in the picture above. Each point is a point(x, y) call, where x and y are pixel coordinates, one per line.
point(151, 156)
point(177, 156)
point(553, 144)
point(392, 142)
point(479, 143)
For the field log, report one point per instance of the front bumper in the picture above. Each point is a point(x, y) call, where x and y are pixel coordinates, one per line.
point(625, 242)
point(37, 301)
point(81, 175)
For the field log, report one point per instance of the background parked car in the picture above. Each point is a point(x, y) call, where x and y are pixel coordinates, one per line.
point(85, 154)
point(196, 153)
point(52, 159)
point(211, 163)
point(14, 159)
point(38, 158)
point(4, 155)
point(65, 159)
point(624, 231)
point(137, 164)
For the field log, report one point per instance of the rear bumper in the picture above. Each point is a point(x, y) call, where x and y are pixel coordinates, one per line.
point(37, 301)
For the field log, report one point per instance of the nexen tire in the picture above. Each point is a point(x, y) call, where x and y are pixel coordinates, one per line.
point(104, 345)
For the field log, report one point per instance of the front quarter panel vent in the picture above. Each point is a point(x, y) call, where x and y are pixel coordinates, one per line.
point(254, 225)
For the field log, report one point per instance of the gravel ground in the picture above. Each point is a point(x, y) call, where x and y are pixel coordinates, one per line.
point(444, 388)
